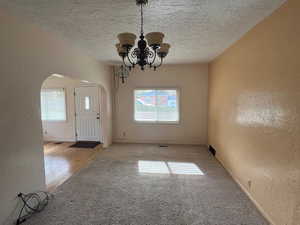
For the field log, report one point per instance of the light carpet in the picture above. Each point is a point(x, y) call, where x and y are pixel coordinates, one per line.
point(138, 184)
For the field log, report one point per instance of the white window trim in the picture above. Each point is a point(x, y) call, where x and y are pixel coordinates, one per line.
point(178, 91)
point(66, 109)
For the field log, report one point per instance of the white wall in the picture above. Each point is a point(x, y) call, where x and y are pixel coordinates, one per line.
point(28, 56)
point(192, 80)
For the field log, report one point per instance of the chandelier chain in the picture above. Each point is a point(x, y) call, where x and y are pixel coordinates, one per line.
point(142, 19)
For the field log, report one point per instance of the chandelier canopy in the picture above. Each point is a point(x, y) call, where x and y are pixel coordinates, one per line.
point(149, 52)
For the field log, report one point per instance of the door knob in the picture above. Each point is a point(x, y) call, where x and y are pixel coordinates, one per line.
point(98, 117)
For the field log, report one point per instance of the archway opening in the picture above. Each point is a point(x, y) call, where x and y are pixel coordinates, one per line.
point(73, 131)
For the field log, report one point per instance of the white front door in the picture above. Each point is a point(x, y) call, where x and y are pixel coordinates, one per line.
point(87, 108)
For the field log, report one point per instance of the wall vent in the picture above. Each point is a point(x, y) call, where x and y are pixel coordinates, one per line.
point(163, 146)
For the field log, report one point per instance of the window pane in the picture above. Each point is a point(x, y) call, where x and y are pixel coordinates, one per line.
point(156, 105)
point(167, 107)
point(145, 101)
point(43, 105)
point(53, 106)
point(87, 104)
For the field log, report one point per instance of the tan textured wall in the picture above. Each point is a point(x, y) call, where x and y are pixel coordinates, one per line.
point(254, 113)
point(28, 56)
point(191, 80)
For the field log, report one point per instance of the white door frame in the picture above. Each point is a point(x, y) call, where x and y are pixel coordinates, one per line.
point(102, 105)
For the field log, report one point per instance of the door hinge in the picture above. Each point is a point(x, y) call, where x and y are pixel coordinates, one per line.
point(74, 93)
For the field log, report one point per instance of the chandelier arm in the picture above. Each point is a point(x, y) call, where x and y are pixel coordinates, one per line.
point(131, 62)
point(134, 54)
point(161, 62)
point(154, 58)
point(124, 63)
point(128, 57)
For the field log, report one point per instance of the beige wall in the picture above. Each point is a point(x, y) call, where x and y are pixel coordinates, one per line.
point(28, 56)
point(192, 129)
point(254, 113)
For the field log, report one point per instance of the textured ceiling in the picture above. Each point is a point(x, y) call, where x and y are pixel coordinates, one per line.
point(198, 30)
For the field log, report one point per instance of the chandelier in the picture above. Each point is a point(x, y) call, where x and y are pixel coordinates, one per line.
point(151, 51)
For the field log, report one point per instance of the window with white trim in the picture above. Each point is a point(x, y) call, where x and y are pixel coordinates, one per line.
point(156, 105)
point(53, 104)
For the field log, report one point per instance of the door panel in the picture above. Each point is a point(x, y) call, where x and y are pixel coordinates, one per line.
point(87, 113)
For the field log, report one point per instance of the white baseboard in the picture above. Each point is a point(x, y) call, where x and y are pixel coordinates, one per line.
point(56, 139)
point(140, 141)
point(258, 206)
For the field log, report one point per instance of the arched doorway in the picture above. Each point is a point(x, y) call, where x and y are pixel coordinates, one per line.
point(71, 138)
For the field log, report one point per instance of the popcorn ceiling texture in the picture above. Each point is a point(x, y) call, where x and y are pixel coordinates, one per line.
point(198, 30)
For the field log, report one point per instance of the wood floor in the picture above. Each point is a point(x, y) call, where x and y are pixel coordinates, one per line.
point(61, 162)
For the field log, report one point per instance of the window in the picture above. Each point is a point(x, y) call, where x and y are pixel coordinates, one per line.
point(87, 104)
point(53, 104)
point(156, 105)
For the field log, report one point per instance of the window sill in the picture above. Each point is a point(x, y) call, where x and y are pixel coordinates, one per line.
point(54, 121)
point(156, 123)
